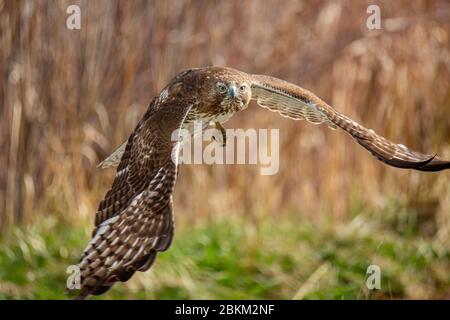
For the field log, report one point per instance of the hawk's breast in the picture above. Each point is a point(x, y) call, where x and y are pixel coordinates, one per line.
point(195, 117)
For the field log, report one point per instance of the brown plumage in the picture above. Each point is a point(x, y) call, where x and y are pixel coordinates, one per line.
point(135, 219)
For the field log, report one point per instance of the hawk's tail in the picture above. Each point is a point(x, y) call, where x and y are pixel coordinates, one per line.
point(114, 158)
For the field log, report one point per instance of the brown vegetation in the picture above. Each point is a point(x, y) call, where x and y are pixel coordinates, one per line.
point(69, 97)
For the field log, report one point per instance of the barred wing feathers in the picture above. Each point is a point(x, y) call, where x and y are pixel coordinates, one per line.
point(135, 219)
point(299, 104)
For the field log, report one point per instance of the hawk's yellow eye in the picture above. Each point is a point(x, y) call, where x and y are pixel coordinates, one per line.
point(242, 88)
point(222, 88)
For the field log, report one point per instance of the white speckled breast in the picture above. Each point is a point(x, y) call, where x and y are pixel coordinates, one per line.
point(206, 119)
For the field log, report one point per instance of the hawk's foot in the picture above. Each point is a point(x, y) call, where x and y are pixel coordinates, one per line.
point(222, 138)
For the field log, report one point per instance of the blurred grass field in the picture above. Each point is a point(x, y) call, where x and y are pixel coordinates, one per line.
point(288, 257)
point(69, 97)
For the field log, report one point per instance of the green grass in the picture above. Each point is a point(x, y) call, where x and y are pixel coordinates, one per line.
point(236, 258)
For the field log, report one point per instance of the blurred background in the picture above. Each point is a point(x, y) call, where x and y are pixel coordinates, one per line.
point(68, 98)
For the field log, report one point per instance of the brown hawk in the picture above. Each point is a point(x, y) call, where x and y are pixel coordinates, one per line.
point(135, 219)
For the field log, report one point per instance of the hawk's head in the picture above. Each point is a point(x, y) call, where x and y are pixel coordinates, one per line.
point(227, 89)
point(232, 93)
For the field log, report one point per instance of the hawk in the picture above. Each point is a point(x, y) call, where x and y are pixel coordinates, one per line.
point(135, 219)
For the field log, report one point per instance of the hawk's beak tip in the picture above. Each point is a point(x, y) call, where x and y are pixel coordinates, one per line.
point(233, 92)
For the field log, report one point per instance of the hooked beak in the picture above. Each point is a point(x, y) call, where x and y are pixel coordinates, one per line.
point(233, 91)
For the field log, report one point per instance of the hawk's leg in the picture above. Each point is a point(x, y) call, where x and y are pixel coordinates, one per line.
point(223, 137)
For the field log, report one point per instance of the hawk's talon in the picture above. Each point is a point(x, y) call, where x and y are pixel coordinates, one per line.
point(223, 134)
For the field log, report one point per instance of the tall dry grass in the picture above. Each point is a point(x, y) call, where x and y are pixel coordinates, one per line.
point(69, 97)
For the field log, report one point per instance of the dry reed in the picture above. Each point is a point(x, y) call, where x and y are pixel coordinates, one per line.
point(69, 97)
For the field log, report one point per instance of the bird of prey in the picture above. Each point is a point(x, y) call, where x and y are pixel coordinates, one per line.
point(135, 219)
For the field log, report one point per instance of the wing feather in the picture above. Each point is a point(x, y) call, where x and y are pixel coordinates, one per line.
point(297, 103)
point(135, 219)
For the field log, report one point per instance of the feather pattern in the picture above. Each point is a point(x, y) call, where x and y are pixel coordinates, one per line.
point(297, 103)
point(135, 221)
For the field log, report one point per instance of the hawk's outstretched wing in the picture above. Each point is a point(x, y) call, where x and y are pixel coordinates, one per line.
point(297, 103)
point(135, 219)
